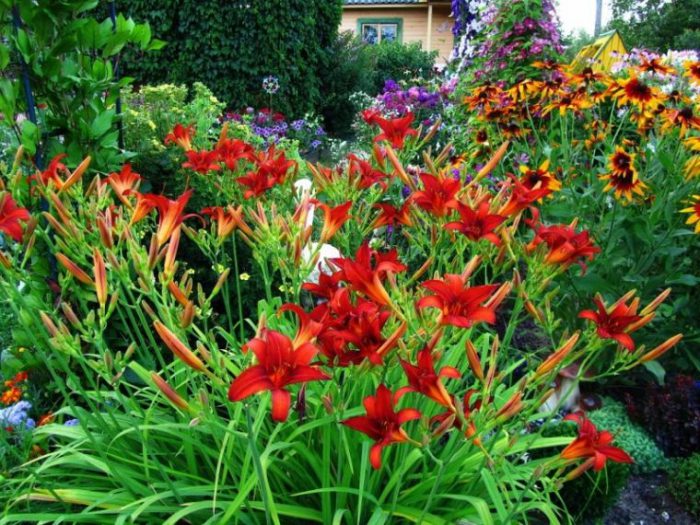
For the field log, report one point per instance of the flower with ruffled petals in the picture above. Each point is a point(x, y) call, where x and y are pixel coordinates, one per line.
point(382, 423)
point(280, 364)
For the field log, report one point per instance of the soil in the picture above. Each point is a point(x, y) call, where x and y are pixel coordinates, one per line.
point(645, 501)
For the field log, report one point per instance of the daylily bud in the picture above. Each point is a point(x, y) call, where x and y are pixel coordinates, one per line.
point(178, 348)
point(105, 233)
point(177, 293)
point(534, 311)
point(187, 315)
point(512, 407)
point(149, 311)
point(645, 320)
point(327, 404)
point(130, 351)
point(70, 315)
point(220, 281)
point(153, 253)
point(107, 358)
point(74, 269)
point(170, 393)
point(656, 302)
point(56, 225)
point(492, 362)
point(472, 265)
point(491, 164)
point(76, 175)
point(49, 324)
point(661, 349)
point(496, 299)
point(557, 357)
point(206, 355)
point(171, 253)
point(447, 424)
point(474, 361)
point(100, 277)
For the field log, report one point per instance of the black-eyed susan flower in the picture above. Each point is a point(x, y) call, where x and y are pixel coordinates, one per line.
point(692, 71)
point(623, 178)
point(684, 119)
point(635, 92)
point(692, 167)
point(694, 210)
point(539, 178)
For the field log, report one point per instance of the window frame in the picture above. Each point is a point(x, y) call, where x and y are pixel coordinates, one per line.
point(398, 22)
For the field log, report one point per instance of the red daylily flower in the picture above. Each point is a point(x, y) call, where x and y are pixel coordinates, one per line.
point(395, 130)
point(391, 216)
point(566, 247)
point(202, 161)
point(459, 304)
point(11, 217)
point(438, 194)
point(231, 151)
point(327, 285)
point(368, 175)
point(423, 378)
point(370, 115)
point(522, 197)
point(280, 364)
point(227, 219)
point(365, 277)
point(170, 212)
point(615, 324)
point(477, 224)
point(333, 218)
point(181, 135)
point(51, 173)
point(593, 444)
point(271, 169)
point(382, 423)
point(353, 333)
point(124, 182)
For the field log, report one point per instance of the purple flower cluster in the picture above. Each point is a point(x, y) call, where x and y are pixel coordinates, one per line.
point(273, 127)
point(520, 34)
point(17, 416)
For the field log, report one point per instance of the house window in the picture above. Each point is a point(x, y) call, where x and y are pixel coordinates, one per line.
point(378, 30)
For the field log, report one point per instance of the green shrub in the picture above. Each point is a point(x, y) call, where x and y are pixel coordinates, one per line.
point(397, 61)
point(232, 46)
point(629, 436)
point(349, 73)
point(684, 483)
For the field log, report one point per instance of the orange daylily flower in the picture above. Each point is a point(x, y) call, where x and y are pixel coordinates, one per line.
point(181, 135)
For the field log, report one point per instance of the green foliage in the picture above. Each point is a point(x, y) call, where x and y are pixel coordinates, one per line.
point(70, 58)
point(397, 61)
point(348, 73)
point(630, 437)
point(232, 46)
point(684, 483)
point(658, 24)
point(6, 323)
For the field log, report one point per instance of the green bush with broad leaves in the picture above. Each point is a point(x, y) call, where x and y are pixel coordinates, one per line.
point(70, 59)
point(232, 46)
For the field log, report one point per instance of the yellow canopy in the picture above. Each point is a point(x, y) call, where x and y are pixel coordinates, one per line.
point(601, 54)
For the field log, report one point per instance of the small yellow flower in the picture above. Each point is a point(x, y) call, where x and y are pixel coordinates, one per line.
point(244, 276)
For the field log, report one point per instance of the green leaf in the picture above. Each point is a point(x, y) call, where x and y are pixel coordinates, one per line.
point(656, 370)
point(101, 124)
point(30, 136)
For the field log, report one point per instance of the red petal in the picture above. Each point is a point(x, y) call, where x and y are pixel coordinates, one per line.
point(281, 400)
point(251, 381)
point(375, 455)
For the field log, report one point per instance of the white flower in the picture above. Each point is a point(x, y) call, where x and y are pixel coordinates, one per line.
point(323, 260)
